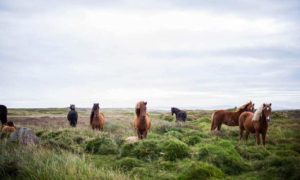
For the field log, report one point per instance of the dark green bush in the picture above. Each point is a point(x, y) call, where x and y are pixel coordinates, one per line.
point(147, 149)
point(280, 167)
point(102, 145)
point(223, 155)
point(174, 149)
point(200, 170)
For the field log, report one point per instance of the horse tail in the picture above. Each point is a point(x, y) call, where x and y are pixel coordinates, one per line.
point(212, 122)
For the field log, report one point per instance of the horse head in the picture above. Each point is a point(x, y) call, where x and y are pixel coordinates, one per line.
point(267, 111)
point(141, 109)
point(72, 107)
point(247, 107)
point(172, 110)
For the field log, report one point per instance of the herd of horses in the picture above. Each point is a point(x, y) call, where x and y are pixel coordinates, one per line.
point(246, 117)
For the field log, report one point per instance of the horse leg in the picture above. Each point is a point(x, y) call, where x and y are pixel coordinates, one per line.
point(247, 135)
point(219, 126)
point(145, 134)
point(264, 138)
point(139, 134)
point(212, 126)
point(257, 138)
point(241, 133)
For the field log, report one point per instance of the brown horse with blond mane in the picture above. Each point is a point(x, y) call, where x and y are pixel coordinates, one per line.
point(97, 119)
point(256, 123)
point(142, 121)
point(229, 118)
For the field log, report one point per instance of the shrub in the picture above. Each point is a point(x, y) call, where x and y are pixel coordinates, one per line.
point(223, 155)
point(174, 149)
point(147, 149)
point(102, 145)
point(200, 170)
point(280, 167)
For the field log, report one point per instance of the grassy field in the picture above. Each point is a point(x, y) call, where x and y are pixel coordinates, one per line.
point(171, 151)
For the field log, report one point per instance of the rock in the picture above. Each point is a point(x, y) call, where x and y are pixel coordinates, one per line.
point(24, 136)
point(132, 139)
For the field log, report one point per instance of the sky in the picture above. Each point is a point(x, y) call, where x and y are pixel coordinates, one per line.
point(189, 54)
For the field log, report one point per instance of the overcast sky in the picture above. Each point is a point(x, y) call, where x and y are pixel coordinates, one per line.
point(189, 54)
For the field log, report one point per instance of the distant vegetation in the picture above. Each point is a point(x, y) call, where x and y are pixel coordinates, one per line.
point(171, 151)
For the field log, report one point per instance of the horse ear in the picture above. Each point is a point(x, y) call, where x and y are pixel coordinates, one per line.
point(264, 104)
point(145, 102)
point(270, 104)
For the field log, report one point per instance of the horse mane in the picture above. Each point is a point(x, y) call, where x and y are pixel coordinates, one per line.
point(257, 113)
point(138, 108)
point(243, 106)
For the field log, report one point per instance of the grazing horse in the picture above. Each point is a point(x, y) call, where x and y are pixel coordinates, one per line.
point(97, 118)
point(3, 114)
point(229, 118)
point(9, 127)
point(180, 115)
point(142, 121)
point(256, 123)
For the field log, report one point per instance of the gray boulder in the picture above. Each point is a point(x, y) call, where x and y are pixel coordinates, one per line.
point(24, 136)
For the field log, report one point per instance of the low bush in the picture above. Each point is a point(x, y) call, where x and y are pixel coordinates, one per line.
point(200, 170)
point(102, 145)
point(174, 149)
point(223, 155)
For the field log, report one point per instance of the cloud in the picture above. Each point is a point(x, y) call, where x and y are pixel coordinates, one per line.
point(191, 54)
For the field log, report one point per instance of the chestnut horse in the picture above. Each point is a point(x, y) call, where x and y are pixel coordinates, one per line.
point(97, 118)
point(229, 118)
point(142, 121)
point(256, 123)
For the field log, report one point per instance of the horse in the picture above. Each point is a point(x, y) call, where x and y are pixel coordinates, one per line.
point(229, 118)
point(142, 121)
point(72, 116)
point(256, 123)
point(180, 115)
point(97, 119)
point(3, 114)
point(9, 127)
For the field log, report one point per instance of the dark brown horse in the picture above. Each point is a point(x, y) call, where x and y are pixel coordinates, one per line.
point(180, 115)
point(229, 118)
point(142, 121)
point(3, 114)
point(97, 119)
point(256, 123)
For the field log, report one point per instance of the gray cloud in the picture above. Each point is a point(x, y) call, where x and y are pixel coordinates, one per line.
point(184, 53)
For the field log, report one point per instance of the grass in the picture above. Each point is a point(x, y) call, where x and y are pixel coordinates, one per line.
point(171, 151)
